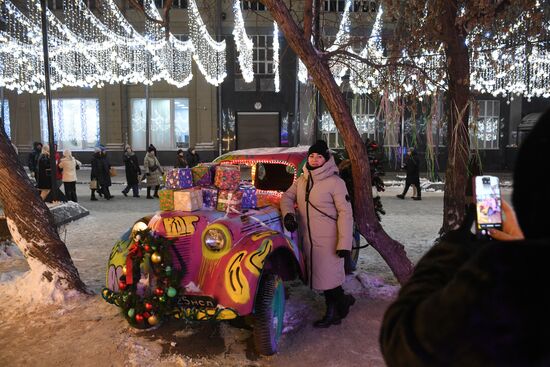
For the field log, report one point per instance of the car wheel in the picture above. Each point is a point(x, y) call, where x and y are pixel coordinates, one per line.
point(350, 262)
point(269, 314)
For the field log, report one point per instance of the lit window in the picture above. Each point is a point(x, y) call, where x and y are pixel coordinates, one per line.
point(357, 6)
point(484, 134)
point(75, 122)
point(363, 111)
point(263, 54)
point(169, 123)
point(252, 5)
point(6, 118)
point(176, 4)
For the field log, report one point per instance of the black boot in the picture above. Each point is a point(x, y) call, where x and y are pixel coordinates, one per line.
point(344, 303)
point(156, 191)
point(149, 193)
point(331, 316)
point(93, 198)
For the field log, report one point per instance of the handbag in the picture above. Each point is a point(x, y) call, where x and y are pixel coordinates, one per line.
point(112, 171)
point(93, 185)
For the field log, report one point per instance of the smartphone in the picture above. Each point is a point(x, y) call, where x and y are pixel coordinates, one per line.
point(488, 205)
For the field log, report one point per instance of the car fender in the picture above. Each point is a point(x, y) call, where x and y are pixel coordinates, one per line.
point(235, 279)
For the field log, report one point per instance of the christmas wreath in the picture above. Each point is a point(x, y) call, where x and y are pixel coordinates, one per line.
point(149, 285)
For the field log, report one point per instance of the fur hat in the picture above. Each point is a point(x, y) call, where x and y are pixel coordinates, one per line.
point(320, 147)
point(530, 199)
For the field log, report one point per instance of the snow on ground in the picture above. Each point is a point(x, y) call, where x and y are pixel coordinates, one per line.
point(91, 331)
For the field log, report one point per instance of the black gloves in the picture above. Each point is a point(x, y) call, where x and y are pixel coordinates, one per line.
point(343, 253)
point(290, 222)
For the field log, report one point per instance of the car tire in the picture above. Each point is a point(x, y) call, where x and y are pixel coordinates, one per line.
point(350, 261)
point(269, 313)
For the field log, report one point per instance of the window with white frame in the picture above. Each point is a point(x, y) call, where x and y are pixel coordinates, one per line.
point(169, 125)
point(484, 133)
point(75, 122)
point(358, 6)
point(329, 132)
point(176, 4)
point(252, 5)
point(263, 54)
point(6, 118)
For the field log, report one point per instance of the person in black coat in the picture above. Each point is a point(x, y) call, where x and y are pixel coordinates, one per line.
point(100, 172)
point(482, 303)
point(32, 161)
point(413, 175)
point(133, 172)
point(44, 172)
point(192, 157)
point(180, 160)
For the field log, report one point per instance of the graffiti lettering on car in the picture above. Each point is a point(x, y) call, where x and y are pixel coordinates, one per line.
point(180, 226)
point(256, 261)
point(236, 283)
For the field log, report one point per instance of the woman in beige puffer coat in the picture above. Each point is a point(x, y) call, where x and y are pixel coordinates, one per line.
point(326, 220)
point(153, 171)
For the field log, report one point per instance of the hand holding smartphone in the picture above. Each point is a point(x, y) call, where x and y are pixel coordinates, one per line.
point(488, 205)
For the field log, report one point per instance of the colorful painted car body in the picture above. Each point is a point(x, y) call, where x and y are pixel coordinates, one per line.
point(222, 284)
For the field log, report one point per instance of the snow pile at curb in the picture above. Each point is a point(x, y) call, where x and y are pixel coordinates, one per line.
point(376, 287)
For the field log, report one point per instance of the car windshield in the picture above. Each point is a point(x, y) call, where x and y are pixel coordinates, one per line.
point(269, 176)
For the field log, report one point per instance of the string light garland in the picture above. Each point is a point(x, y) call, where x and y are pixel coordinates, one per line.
point(339, 69)
point(243, 43)
point(276, 57)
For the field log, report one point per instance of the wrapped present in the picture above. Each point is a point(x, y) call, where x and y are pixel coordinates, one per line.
point(188, 200)
point(229, 201)
point(202, 175)
point(166, 199)
point(179, 178)
point(227, 177)
point(209, 197)
point(250, 199)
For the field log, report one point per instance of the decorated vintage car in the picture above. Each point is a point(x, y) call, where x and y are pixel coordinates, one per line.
point(215, 265)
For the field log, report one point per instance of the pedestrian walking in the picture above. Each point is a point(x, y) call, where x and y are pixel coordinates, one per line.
point(153, 172)
point(68, 166)
point(32, 161)
point(472, 302)
point(131, 167)
point(192, 157)
point(413, 175)
point(326, 222)
point(180, 160)
point(101, 173)
point(44, 172)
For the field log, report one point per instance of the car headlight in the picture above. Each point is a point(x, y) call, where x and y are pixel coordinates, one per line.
point(217, 239)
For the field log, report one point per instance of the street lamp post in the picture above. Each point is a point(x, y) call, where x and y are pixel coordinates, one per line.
point(53, 163)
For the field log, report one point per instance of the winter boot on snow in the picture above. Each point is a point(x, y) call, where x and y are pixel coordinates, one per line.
point(331, 316)
point(344, 303)
point(149, 193)
point(156, 191)
point(93, 198)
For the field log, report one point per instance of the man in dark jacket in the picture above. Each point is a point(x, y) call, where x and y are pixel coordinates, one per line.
point(192, 157)
point(474, 303)
point(32, 162)
point(413, 175)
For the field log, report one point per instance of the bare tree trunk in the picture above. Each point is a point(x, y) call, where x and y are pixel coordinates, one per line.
point(392, 251)
point(32, 225)
point(458, 70)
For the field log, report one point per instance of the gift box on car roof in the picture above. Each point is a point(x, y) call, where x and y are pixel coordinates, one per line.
point(188, 200)
point(179, 178)
point(227, 177)
point(229, 201)
point(203, 174)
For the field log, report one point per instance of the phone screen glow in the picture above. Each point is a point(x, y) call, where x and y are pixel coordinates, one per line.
point(488, 202)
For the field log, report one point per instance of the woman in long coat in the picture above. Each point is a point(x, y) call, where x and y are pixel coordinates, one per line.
point(153, 171)
point(68, 165)
point(326, 221)
point(133, 171)
point(44, 172)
